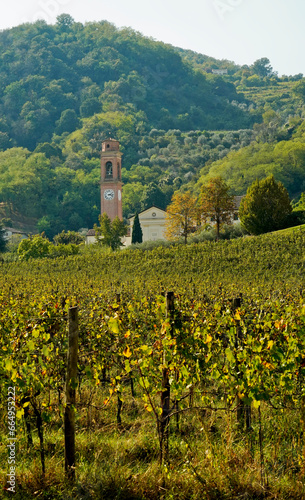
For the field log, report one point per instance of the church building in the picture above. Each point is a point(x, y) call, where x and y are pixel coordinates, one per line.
point(152, 220)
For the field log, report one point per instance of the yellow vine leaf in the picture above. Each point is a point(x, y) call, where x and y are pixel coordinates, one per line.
point(270, 344)
point(148, 407)
point(127, 352)
point(209, 338)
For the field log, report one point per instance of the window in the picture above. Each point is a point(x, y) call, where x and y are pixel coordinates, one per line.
point(109, 173)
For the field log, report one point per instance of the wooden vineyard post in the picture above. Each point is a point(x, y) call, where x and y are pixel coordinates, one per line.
point(71, 382)
point(243, 411)
point(170, 305)
point(164, 425)
point(165, 395)
point(236, 303)
point(120, 403)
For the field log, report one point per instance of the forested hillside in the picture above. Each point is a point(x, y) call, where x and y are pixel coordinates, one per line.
point(65, 87)
point(48, 70)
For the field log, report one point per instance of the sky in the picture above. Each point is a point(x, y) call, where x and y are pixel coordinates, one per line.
point(239, 30)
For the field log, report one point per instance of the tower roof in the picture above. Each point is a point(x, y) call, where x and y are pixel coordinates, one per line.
point(110, 145)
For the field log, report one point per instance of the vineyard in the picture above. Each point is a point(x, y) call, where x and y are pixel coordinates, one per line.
point(190, 372)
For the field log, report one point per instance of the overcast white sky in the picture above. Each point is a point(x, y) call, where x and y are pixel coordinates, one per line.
point(239, 30)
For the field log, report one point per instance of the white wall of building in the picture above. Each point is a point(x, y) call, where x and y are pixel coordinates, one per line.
point(152, 223)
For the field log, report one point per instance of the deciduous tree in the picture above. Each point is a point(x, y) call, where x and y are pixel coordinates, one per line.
point(66, 237)
point(300, 205)
point(262, 67)
point(299, 89)
point(68, 122)
point(181, 216)
point(34, 247)
point(153, 196)
point(109, 233)
point(216, 203)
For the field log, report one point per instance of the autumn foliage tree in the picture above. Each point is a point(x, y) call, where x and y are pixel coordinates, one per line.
point(181, 216)
point(216, 203)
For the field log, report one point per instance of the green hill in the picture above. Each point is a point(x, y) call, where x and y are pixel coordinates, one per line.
point(47, 70)
point(65, 87)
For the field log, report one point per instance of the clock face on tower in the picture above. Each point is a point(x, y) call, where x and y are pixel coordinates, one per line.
point(108, 194)
point(111, 184)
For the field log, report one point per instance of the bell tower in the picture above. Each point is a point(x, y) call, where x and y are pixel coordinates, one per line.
point(111, 184)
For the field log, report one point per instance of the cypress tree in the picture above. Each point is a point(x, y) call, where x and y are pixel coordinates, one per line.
point(137, 235)
point(2, 238)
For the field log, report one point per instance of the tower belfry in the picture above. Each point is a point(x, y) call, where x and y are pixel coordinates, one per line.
point(111, 183)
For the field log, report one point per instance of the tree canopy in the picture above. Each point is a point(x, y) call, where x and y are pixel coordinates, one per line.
point(65, 87)
point(217, 203)
point(181, 216)
point(262, 67)
point(66, 237)
point(266, 206)
point(137, 233)
point(52, 75)
point(109, 233)
point(34, 247)
point(3, 241)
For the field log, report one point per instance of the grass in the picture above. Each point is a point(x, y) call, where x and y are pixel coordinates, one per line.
point(209, 458)
point(290, 230)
